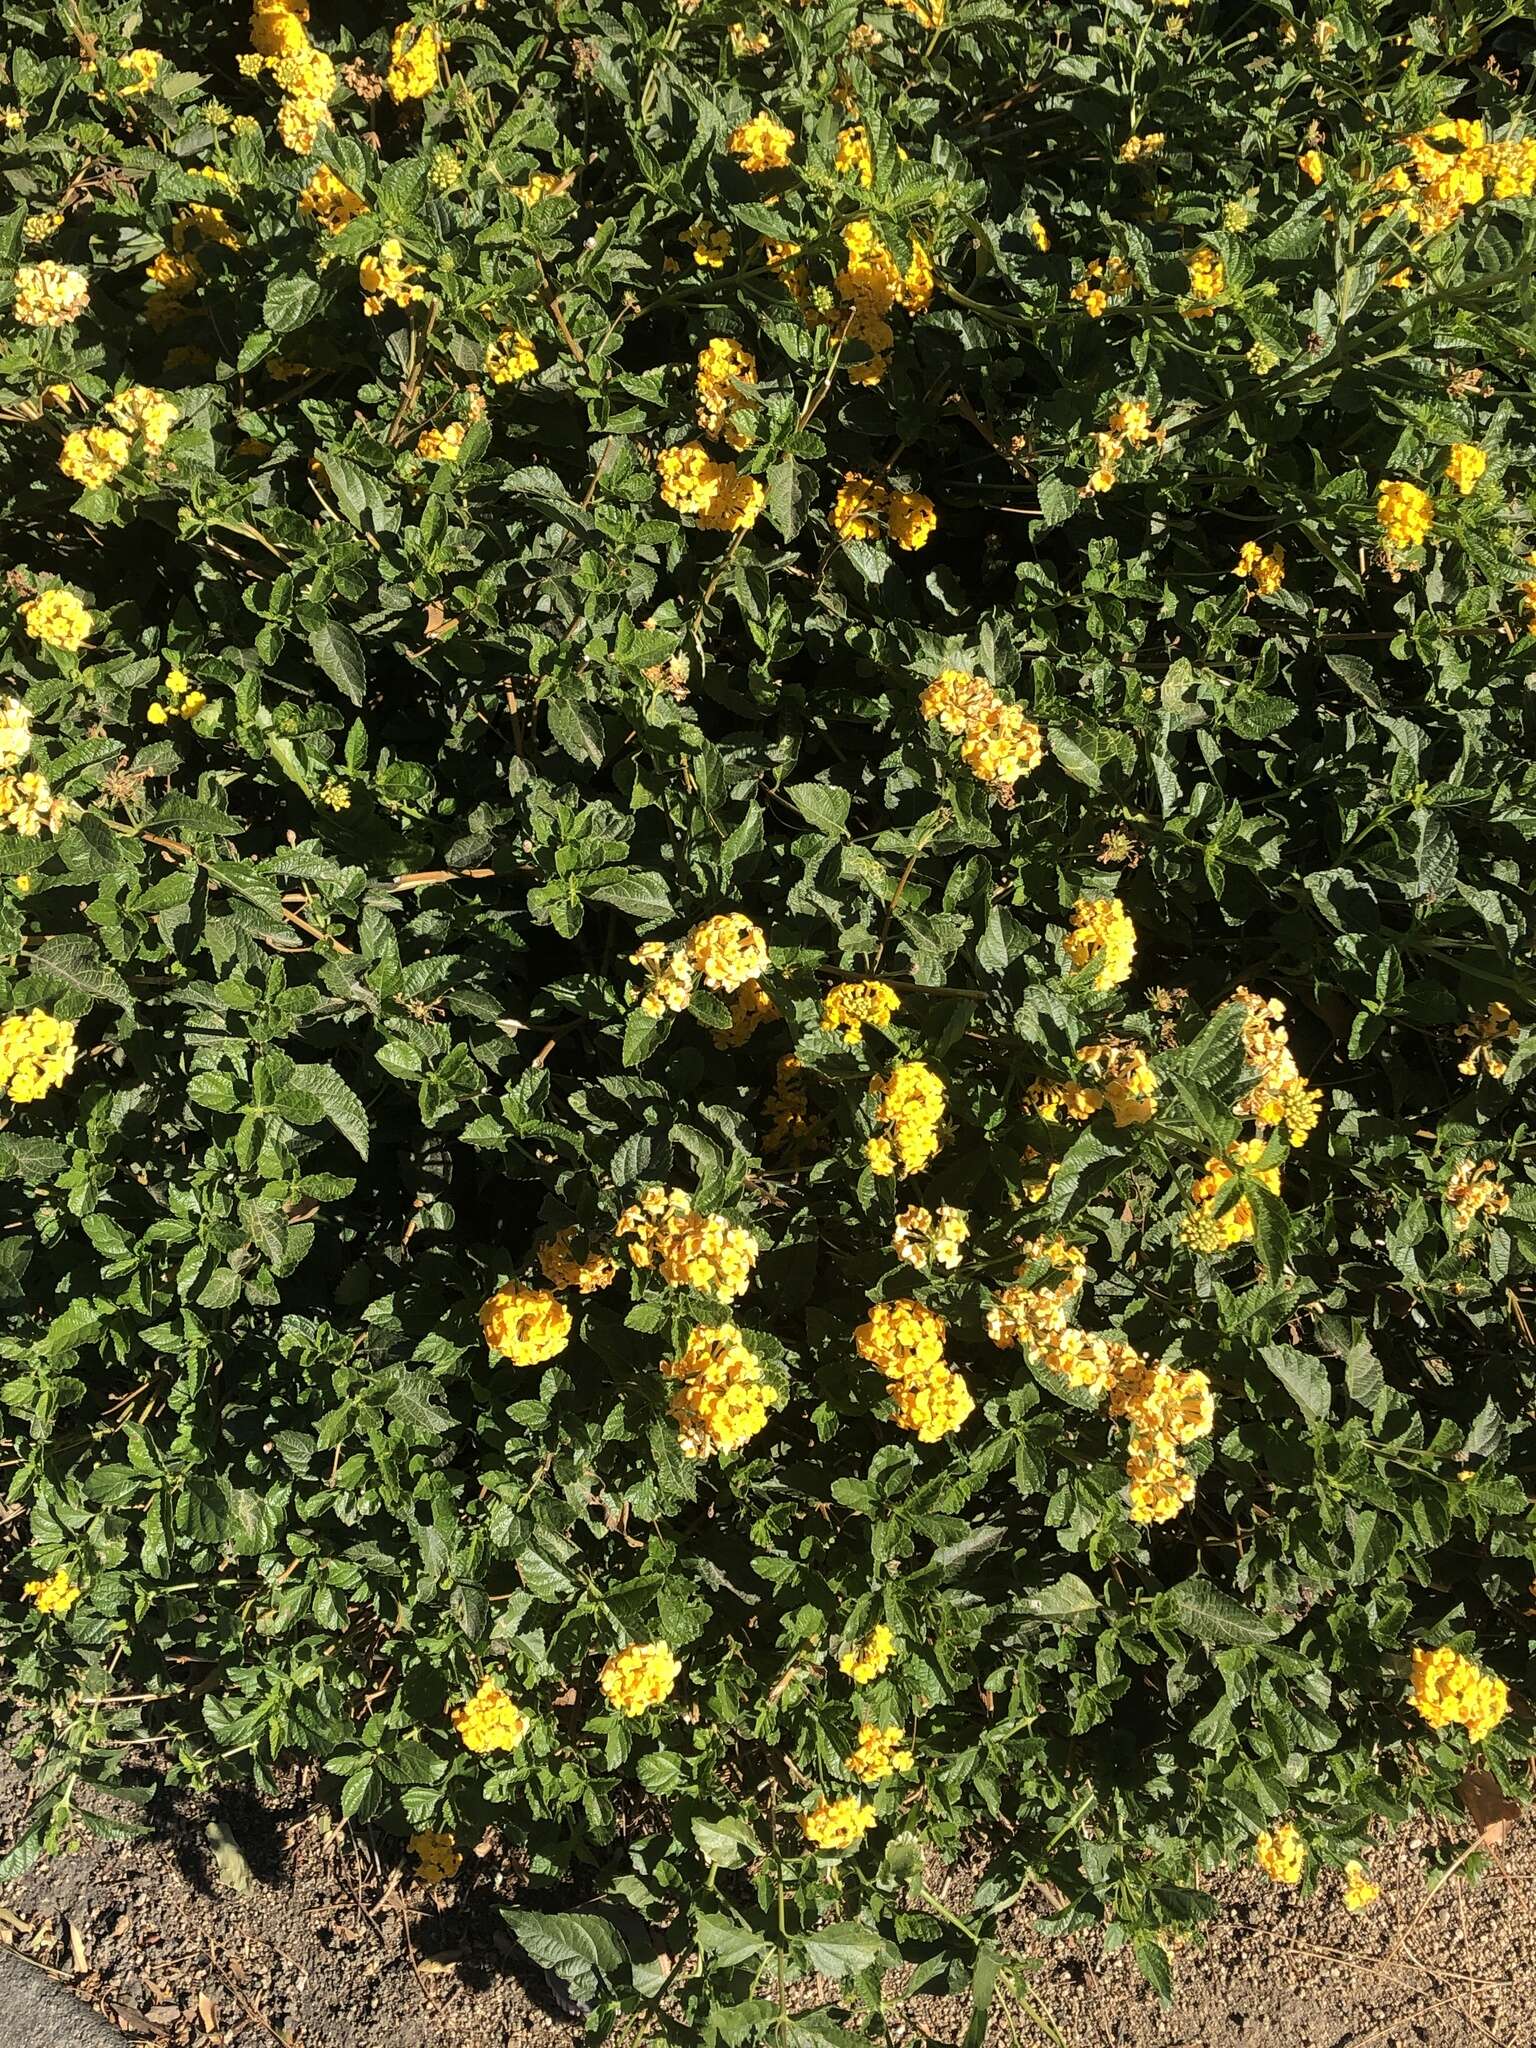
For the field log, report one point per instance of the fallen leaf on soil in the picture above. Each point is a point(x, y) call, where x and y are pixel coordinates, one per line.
point(134, 2022)
point(434, 1966)
point(208, 2013)
point(1489, 1811)
point(229, 1862)
point(79, 1954)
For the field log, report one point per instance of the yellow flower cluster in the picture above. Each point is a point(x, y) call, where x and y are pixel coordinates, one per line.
point(724, 369)
point(1404, 513)
point(999, 743)
point(1485, 1032)
point(144, 65)
point(1165, 1409)
point(1207, 274)
point(53, 1595)
point(909, 1108)
point(710, 244)
point(1282, 1855)
point(149, 413)
point(837, 1823)
point(185, 701)
point(923, 1239)
point(1129, 426)
point(37, 1052)
point(638, 1677)
point(687, 1248)
point(1359, 1892)
point(306, 76)
point(563, 1266)
point(437, 1859)
point(1280, 1095)
point(880, 1753)
point(330, 202)
point(1267, 570)
point(762, 144)
point(904, 1340)
point(1464, 466)
point(385, 278)
point(510, 357)
point(1122, 1081)
point(1104, 281)
point(855, 158)
point(1448, 1687)
point(1135, 147)
point(539, 186)
point(1473, 1190)
point(716, 493)
point(525, 1324)
point(28, 807)
point(92, 456)
point(15, 732)
point(49, 295)
point(793, 1126)
point(723, 1398)
point(862, 508)
point(870, 285)
point(727, 953)
point(415, 50)
point(846, 1009)
point(1203, 1229)
point(867, 1659)
point(441, 444)
point(750, 1006)
point(58, 619)
point(1102, 938)
point(489, 1719)
point(38, 227)
point(1452, 165)
point(277, 27)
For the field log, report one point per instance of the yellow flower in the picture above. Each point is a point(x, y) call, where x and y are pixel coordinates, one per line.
point(49, 295)
point(1359, 1892)
point(751, 1005)
point(1132, 419)
point(931, 1404)
point(1267, 570)
point(15, 732)
point(922, 1239)
point(724, 368)
point(1405, 513)
point(145, 66)
point(525, 1324)
point(837, 1823)
point(28, 806)
point(911, 519)
point(1281, 1855)
point(710, 244)
point(563, 1266)
point(143, 410)
point(92, 456)
point(510, 357)
point(488, 1719)
point(901, 1337)
point(307, 74)
point(1102, 937)
point(299, 122)
point(1279, 1096)
point(846, 1009)
point(639, 1677)
point(716, 493)
point(727, 951)
point(909, 1105)
point(762, 143)
point(437, 1858)
point(854, 155)
point(385, 278)
point(335, 795)
point(441, 445)
point(670, 977)
point(723, 1399)
point(880, 1753)
point(58, 619)
point(415, 51)
point(1464, 465)
point(1312, 164)
point(329, 201)
point(859, 507)
point(37, 1052)
point(53, 1595)
point(867, 1659)
point(1485, 1031)
point(1203, 1228)
point(1474, 1190)
point(1207, 274)
point(37, 227)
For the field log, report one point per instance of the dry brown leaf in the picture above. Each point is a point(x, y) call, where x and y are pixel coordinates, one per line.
point(438, 621)
point(207, 2013)
point(435, 1966)
point(78, 1953)
point(1488, 1808)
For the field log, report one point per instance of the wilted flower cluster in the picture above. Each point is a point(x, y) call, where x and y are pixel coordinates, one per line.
point(437, 1858)
point(1448, 1687)
point(688, 1249)
point(909, 1109)
point(564, 1265)
point(639, 1677)
point(489, 1719)
point(904, 1340)
point(1474, 1191)
point(999, 743)
point(525, 1324)
point(723, 1397)
point(1487, 1032)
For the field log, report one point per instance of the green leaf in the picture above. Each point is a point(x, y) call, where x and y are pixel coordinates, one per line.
point(291, 301)
point(74, 965)
point(725, 1841)
point(822, 805)
point(339, 1103)
point(639, 894)
point(1304, 1378)
point(580, 1948)
point(984, 1974)
point(726, 1941)
point(1211, 1616)
point(845, 1948)
point(336, 650)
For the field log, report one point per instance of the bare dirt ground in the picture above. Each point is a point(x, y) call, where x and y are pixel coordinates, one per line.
point(329, 1945)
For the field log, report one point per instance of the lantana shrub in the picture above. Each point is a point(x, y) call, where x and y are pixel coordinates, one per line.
point(766, 801)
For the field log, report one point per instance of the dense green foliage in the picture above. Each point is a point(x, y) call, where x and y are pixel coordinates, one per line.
point(347, 947)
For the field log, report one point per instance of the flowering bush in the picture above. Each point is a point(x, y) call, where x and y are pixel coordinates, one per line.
point(766, 804)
